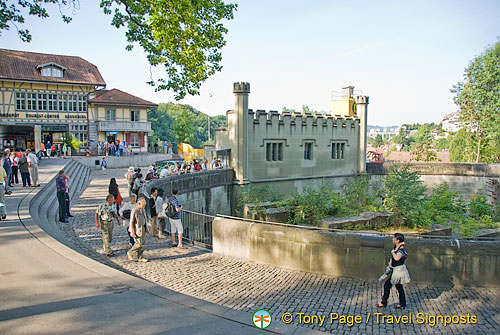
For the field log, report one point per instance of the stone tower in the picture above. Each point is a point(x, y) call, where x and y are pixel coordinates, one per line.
point(240, 153)
point(362, 113)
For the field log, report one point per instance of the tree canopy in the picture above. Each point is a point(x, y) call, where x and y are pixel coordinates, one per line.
point(185, 36)
point(478, 100)
point(182, 123)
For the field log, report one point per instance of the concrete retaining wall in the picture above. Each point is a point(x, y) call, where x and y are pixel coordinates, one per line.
point(208, 192)
point(357, 256)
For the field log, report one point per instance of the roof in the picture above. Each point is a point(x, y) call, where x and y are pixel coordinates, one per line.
point(117, 97)
point(405, 156)
point(22, 65)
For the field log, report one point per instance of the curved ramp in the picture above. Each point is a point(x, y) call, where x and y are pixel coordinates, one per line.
point(48, 288)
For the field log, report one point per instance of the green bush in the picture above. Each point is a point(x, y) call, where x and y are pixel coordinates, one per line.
point(479, 206)
point(404, 195)
point(313, 205)
point(445, 205)
point(359, 197)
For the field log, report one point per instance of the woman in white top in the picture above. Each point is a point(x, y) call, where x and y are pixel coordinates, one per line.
point(160, 201)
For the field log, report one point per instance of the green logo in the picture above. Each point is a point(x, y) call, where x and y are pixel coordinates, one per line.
point(262, 319)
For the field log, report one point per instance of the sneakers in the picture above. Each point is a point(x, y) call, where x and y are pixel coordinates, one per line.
point(181, 247)
point(130, 258)
point(161, 237)
point(143, 260)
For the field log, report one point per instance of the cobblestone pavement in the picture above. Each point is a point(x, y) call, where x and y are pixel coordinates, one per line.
point(247, 286)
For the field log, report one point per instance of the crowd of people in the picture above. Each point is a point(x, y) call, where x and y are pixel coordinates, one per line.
point(13, 164)
point(114, 148)
point(139, 216)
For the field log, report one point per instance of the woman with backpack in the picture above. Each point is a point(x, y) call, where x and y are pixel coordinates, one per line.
point(115, 191)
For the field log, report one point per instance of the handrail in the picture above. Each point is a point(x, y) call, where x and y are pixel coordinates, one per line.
point(358, 232)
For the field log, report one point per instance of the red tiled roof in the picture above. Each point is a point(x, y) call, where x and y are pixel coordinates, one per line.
point(405, 156)
point(22, 65)
point(117, 97)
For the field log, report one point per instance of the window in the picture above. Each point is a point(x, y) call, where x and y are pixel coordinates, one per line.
point(110, 114)
point(52, 100)
point(134, 140)
point(20, 101)
point(52, 71)
point(274, 152)
point(82, 103)
point(134, 115)
point(31, 101)
point(338, 149)
point(308, 150)
point(72, 103)
point(42, 101)
point(63, 102)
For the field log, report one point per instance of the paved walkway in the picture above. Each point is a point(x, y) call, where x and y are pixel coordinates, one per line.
point(47, 288)
point(247, 287)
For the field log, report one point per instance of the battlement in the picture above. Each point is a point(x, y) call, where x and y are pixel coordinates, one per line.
point(262, 117)
point(362, 99)
point(241, 87)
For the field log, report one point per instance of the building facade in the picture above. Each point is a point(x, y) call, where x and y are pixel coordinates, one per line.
point(44, 98)
point(115, 116)
point(270, 146)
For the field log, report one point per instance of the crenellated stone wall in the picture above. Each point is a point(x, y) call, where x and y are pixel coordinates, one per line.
point(273, 147)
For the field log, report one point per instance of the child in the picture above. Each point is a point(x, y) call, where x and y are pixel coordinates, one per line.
point(104, 165)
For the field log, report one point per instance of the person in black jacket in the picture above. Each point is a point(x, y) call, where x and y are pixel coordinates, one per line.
point(115, 191)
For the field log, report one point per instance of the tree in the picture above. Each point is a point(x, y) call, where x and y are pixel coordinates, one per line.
point(378, 141)
point(423, 152)
point(183, 127)
point(478, 100)
point(402, 138)
point(185, 36)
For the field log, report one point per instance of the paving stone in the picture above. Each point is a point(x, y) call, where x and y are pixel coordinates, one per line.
point(248, 286)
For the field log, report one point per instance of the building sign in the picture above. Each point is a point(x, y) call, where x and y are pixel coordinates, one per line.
point(112, 132)
point(43, 116)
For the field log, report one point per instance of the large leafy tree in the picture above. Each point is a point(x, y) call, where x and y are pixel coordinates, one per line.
point(183, 36)
point(478, 99)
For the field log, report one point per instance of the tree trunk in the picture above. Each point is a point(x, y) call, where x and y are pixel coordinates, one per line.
point(478, 146)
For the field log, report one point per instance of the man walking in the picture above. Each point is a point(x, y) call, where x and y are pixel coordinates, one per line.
point(175, 220)
point(138, 231)
point(32, 167)
point(152, 211)
point(104, 221)
point(63, 196)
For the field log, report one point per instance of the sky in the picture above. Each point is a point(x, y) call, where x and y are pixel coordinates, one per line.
point(405, 55)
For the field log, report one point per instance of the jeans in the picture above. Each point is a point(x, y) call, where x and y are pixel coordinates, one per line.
point(3, 209)
point(14, 177)
point(63, 199)
point(387, 291)
point(25, 176)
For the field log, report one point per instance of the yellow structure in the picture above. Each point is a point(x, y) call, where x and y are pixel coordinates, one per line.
point(346, 106)
point(189, 153)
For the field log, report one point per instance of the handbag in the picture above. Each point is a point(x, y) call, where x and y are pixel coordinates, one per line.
point(118, 199)
point(387, 273)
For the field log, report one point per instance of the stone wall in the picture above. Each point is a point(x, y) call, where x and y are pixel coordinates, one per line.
point(464, 178)
point(207, 192)
point(355, 255)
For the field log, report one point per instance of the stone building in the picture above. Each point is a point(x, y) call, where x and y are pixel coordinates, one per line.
point(293, 149)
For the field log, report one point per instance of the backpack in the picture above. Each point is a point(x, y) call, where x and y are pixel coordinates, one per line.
point(170, 209)
point(126, 214)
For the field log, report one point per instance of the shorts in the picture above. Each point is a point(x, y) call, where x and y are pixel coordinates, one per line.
point(175, 226)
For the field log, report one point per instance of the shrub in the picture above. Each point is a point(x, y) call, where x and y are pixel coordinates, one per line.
point(359, 197)
point(313, 205)
point(405, 197)
point(446, 205)
point(479, 206)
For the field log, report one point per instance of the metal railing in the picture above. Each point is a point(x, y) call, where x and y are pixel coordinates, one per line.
point(197, 228)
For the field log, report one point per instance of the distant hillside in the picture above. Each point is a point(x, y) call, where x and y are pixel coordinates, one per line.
point(170, 119)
